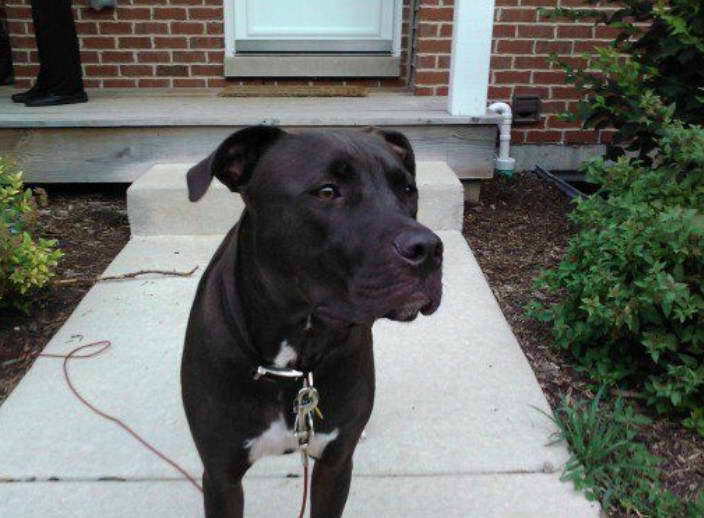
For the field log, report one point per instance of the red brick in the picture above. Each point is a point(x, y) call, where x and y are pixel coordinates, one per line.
point(432, 78)
point(117, 57)
point(83, 28)
point(556, 123)
point(151, 28)
point(425, 91)
point(543, 137)
point(511, 77)
point(434, 46)
point(518, 15)
point(515, 46)
point(531, 62)
point(207, 42)
point(140, 42)
point(504, 31)
point(210, 14)
point(606, 33)
point(427, 61)
point(444, 61)
point(575, 31)
point(86, 13)
point(154, 57)
point(446, 30)
point(426, 30)
point(216, 57)
point(115, 28)
point(172, 70)
point(536, 31)
point(581, 137)
point(98, 43)
point(189, 57)
point(133, 13)
point(441, 14)
point(549, 78)
point(170, 43)
point(207, 70)
point(136, 70)
point(540, 3)
point(20, 56)
point(541, 91)
point(89, 57)
point(189, 83)
point(102, 70)
point(550, 47)
point(187, 28)
point(564, 92)
point(589, 46)
point(214, 28)
point(170, 13)
point(500, 92)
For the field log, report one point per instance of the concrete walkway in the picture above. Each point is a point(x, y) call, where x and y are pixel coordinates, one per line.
point(455, 430)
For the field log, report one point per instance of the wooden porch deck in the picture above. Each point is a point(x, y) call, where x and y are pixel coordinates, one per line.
point(119, 134)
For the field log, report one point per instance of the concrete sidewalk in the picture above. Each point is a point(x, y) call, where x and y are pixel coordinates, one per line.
point(454, 432)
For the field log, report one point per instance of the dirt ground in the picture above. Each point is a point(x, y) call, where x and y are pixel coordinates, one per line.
point(519, 228)
point(91, 227)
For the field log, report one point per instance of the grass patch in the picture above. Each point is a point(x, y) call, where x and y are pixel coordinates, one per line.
point(610, 462)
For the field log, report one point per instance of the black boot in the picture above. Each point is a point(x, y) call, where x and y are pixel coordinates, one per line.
point(50, 99)
point(23, 97)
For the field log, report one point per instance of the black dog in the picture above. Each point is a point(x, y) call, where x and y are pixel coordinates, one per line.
point(327, 244)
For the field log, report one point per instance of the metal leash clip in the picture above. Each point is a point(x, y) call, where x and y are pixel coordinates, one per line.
point(305, 404)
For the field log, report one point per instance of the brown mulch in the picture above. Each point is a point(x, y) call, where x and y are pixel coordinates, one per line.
point(519, 228)
point(91, 228)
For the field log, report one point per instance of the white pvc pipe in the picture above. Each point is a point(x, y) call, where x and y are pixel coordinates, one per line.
point(504, 163)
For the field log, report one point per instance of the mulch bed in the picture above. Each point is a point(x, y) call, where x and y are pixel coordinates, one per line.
point(519, 228)
point(91, 228)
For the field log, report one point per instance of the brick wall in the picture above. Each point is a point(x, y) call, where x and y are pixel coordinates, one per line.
point(152, 44)
point(523, 41)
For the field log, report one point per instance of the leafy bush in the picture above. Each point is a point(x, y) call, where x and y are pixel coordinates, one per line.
point(25, 264)
point(659, 48)
point(610, 462)
point(632, 306)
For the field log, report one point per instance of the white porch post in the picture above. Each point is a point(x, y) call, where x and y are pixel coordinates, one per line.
point(471, 53)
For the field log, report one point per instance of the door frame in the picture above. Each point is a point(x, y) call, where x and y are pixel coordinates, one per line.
point(311, 65)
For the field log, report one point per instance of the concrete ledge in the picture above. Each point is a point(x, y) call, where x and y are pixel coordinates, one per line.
point(157, 202)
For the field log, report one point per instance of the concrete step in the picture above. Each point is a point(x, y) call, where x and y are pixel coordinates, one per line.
point(157, 202)
point(455, 430)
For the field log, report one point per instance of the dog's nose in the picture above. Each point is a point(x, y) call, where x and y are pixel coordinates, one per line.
point(419, 247)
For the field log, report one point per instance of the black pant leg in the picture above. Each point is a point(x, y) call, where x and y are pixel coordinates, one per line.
point(5, 55)
point(60, 61)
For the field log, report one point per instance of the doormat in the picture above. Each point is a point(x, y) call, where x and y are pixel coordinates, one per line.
point(294, 91)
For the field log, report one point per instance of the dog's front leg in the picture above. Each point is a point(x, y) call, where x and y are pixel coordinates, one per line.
point(330, 486)
point(223, 497)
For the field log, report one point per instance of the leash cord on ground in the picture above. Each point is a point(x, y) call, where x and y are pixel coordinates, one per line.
point(104, 345)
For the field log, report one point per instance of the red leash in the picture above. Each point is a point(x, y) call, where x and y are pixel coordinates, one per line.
point(102, 346)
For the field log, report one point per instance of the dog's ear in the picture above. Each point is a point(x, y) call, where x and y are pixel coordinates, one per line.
point(233, 161)
point(400, 145)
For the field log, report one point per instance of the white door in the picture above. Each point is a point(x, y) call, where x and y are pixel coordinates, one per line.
point(315, 25)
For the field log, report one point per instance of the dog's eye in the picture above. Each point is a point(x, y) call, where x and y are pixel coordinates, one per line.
point(327, 192)
point(410, 189)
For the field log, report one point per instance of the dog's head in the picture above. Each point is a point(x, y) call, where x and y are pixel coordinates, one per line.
point(334, 214)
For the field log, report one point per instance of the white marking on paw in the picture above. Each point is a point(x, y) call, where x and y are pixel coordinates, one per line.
point(278, 439)
point(287, 355)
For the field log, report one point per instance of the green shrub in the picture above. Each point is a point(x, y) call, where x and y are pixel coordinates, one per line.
point(26, 264)
point(631, 283)
point(662, 53)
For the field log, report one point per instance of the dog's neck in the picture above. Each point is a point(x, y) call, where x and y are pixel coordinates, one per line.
point(279, 319)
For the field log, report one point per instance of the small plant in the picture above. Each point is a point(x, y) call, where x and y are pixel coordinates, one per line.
point(632, 297)
point(610, 463)
point(659, 47)
point(26, 264)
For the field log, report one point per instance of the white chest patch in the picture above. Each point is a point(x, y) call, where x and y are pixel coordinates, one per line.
point(287, 355)
point(278, 439)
